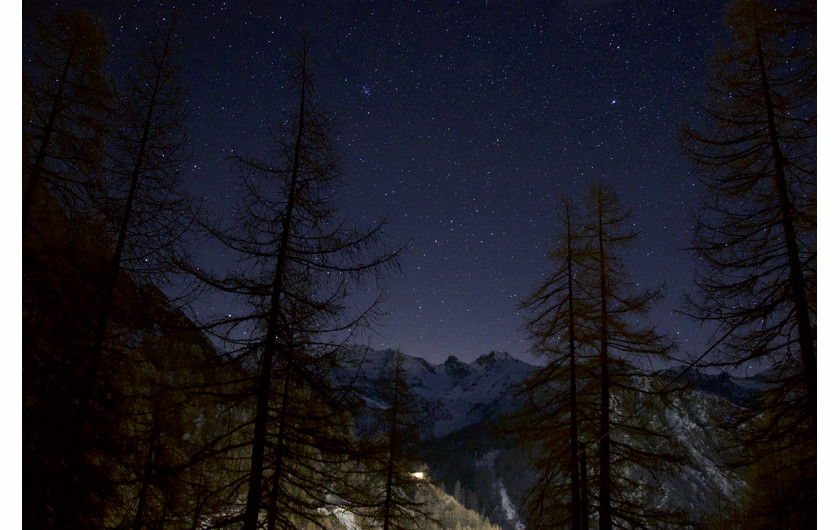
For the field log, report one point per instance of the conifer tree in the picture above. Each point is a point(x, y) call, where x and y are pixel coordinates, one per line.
point(623, 348)
point(754, 149)
point(594, 390)
point(298, 261)
point(67, 105)
point(397, 503)
point(130, 210)
point(145, 167)
point(557, 311)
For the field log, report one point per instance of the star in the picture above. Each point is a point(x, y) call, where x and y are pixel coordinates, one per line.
point(482, 124)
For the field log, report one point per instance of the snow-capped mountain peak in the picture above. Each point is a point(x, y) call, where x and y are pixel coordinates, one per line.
point(451, 395)
point(492, 358)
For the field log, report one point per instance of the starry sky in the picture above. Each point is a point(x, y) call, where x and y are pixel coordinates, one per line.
point(462, 122)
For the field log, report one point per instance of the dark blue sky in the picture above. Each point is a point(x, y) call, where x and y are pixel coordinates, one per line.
point(463, 122)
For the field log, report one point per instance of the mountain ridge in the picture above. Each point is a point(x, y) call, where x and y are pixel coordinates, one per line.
point(461, 405)
point(451, 395)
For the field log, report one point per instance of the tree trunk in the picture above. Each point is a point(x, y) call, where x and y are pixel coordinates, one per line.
point(584, 491)
point(252, 507)
point(572, 383)
point(392, 446)
point(604, 515)
point(198, 501)
point(147, 471)
point(797, 279)
point(274, 494)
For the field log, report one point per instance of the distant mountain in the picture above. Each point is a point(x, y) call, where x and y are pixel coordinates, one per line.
point(451, 395)
point(458, 402)
point(469, 457)
point(740, 391)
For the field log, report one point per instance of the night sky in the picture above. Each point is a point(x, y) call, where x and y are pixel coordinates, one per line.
point(462, 123)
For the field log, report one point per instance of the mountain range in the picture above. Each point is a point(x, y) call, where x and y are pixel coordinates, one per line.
point(462, 407)
point(449, 396)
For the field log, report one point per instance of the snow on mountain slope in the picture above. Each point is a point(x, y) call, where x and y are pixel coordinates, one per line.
point(460, 403)
point(450, 395)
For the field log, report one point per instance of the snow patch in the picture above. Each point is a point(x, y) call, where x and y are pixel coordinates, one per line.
point(507, 506)
point(346, 518)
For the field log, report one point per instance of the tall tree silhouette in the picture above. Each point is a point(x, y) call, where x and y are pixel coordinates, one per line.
point(594, 390)
point(133, 218)
point(557, 311)
point(754, 149)
point(398, 502)
point(297, 262)
point(624, 346)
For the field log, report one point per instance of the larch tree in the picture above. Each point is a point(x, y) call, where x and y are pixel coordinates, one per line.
point(596, 389)
point(553, 417)
point(298, 260)
point(398, 500)
point(62, 79)
point(625, 440)
point(137, 218)
point(754, 148)
point(67, 112)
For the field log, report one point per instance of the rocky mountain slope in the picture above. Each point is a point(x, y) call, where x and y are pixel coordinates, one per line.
point(451, 395)
point(463, 405)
